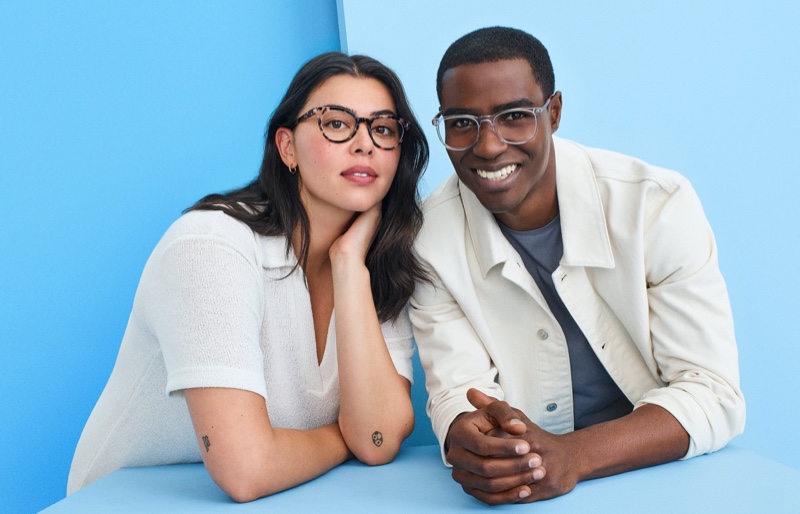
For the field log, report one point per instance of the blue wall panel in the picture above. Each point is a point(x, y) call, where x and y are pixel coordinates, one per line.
point(114, 117)
point(706, 88)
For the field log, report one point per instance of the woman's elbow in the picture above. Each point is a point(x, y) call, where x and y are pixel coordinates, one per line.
point(376, 456)
point(382, 448)
point(240, 490)
point(244, 485)
point(241, 493)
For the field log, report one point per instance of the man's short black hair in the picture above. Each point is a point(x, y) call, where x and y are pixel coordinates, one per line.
point(493, 44)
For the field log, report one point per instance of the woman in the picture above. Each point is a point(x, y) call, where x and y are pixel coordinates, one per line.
point(277, 311)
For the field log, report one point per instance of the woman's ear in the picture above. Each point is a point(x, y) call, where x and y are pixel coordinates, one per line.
point(284, 140)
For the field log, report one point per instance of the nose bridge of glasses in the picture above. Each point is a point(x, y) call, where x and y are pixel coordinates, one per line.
point(481, 134)
point(367, 122)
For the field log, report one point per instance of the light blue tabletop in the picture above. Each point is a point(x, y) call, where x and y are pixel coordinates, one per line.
point(731, 480)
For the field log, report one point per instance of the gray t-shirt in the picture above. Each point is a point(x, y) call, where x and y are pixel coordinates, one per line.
point(596, 397)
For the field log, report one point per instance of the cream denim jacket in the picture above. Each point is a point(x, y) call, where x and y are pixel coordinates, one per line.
point(639, 275)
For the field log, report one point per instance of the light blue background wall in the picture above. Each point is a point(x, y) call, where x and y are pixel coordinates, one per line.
point(114, 116)
point(707, 88)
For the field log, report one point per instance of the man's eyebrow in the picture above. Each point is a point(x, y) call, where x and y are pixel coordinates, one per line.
point(522, 102)
point(514, 104)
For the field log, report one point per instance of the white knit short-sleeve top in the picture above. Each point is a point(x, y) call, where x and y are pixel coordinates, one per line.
point(217, 306)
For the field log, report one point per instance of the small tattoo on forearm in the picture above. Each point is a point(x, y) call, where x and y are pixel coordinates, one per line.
point(377, 438)
point(206, 442)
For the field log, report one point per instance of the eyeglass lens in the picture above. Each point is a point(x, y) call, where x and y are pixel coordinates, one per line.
point(514, 126)
point(339, 125)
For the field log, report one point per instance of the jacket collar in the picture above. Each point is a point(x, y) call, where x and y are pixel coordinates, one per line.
point(583, 223)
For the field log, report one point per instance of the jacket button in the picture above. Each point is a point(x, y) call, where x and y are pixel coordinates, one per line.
point(542, 333)
point(551, 407)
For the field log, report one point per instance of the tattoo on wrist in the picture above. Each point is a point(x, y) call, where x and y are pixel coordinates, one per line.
point(206, 442)
point(377, 438)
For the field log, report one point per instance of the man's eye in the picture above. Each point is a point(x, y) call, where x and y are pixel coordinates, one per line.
point(461, 123)
point(515, 116)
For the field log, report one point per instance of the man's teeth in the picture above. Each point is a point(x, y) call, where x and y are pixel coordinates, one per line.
point(497, 175)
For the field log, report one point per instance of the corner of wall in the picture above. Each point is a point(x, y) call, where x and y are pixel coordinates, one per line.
point(342, 26)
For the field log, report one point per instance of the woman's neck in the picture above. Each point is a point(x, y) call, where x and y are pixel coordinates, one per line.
point(325, 228)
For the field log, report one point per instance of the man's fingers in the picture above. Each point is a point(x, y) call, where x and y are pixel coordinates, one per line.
point(478, 443)
point(521, 487)
point(494, 484)
point(493, 466)
point(499, 413)
point(479, 399)
point(513, 495)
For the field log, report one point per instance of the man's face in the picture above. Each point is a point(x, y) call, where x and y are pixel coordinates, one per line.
point(524, 198)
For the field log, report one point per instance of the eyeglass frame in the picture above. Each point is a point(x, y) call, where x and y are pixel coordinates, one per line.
point(536, 111)
point(403, 124)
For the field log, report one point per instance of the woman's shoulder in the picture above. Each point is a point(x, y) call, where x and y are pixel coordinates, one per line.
point(216, 231)
point(211, 224)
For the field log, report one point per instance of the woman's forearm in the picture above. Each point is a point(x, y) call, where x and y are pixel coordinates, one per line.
point(375, 413)
point(246, 456)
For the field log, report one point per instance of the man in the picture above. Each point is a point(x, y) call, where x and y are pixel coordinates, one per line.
point(578, 285)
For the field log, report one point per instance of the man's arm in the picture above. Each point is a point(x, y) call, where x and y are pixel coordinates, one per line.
point(691, 325)
point(451, 353)
point(497, 462)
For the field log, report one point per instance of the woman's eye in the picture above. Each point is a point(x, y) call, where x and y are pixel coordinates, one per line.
point(383, 130)
point(337, 124)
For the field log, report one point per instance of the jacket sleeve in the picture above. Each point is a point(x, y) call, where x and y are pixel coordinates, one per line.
point(691, 324)
point(452, 354)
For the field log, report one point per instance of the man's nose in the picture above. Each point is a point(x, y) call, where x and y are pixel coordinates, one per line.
point(489, 144)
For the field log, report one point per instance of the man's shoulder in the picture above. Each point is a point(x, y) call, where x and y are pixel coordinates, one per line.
point(445, 197)
point(444, 215)
point(609, 165)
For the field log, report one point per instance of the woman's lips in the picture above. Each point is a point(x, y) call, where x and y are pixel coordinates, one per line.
point(362, 175)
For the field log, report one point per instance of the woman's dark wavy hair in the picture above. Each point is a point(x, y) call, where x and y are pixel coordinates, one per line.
point(271, 205)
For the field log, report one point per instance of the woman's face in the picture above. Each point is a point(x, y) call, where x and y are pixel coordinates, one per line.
point(339, 179)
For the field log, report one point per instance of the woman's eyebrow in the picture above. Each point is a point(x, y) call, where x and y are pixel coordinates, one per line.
point(383, 112)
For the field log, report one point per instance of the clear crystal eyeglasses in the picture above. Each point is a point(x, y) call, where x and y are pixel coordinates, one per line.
point(512, 126)
point(339, 124)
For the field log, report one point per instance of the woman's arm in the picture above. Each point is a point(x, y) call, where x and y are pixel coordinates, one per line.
point(204, 300)
point(246, 456)
point(375, 413)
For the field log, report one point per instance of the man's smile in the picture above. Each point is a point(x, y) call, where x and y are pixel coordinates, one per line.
point(498, 174)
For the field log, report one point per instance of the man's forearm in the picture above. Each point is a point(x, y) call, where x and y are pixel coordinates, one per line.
point(648, 436)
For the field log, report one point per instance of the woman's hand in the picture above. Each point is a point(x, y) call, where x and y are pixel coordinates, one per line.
point(356, 240)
